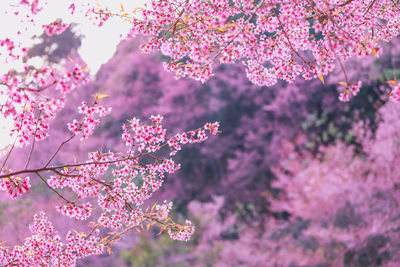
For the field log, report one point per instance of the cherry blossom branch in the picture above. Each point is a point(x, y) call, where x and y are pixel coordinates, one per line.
point(43, 169)
point(38, 90)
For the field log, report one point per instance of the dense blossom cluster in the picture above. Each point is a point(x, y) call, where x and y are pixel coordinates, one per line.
point(81, 212)
point(149, 137)
point(31, 111)
point(15, 186)
point(275, 40)
point(45, 248)
point(120, 197)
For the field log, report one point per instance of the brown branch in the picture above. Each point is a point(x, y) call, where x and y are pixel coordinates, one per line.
point(51, 188)
point(65, 175)
point(344, 71)
point(43, 169)
point(369, 6)
point(346, 3)
point(38, 90)
point(58, 150)
point(33, 142)
point(13, 146)
point(177, 21)
point(8, 154)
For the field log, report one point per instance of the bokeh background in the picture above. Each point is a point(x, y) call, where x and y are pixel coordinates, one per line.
point(296, 178)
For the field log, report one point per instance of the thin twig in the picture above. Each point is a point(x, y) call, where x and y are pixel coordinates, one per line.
point(344, 71)
point(9, 153)
point(33, 142)
point(44, 181)
point(58, 149)
point(369, 6)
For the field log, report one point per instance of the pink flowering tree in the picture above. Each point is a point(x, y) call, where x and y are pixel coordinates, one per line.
point(340, 208)
point(118, 183)
point(275, 40)
point(255, 119)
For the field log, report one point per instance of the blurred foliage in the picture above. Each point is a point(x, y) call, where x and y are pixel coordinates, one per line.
point(152, 250)
point(324, 127)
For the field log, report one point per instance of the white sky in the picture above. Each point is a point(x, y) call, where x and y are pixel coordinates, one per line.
point(98, 44)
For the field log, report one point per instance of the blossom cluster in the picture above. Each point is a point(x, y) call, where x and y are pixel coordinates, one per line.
point(184, 233)
point(350, 90)
point(164, 209)
point(15, 186)
point(29, 96)
point(196, 136)
point(81, 212)
point(133, 180)
point(56, 27)
point(45, 248)
point(89, 122)
point(275, 40)
point(30, 111)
